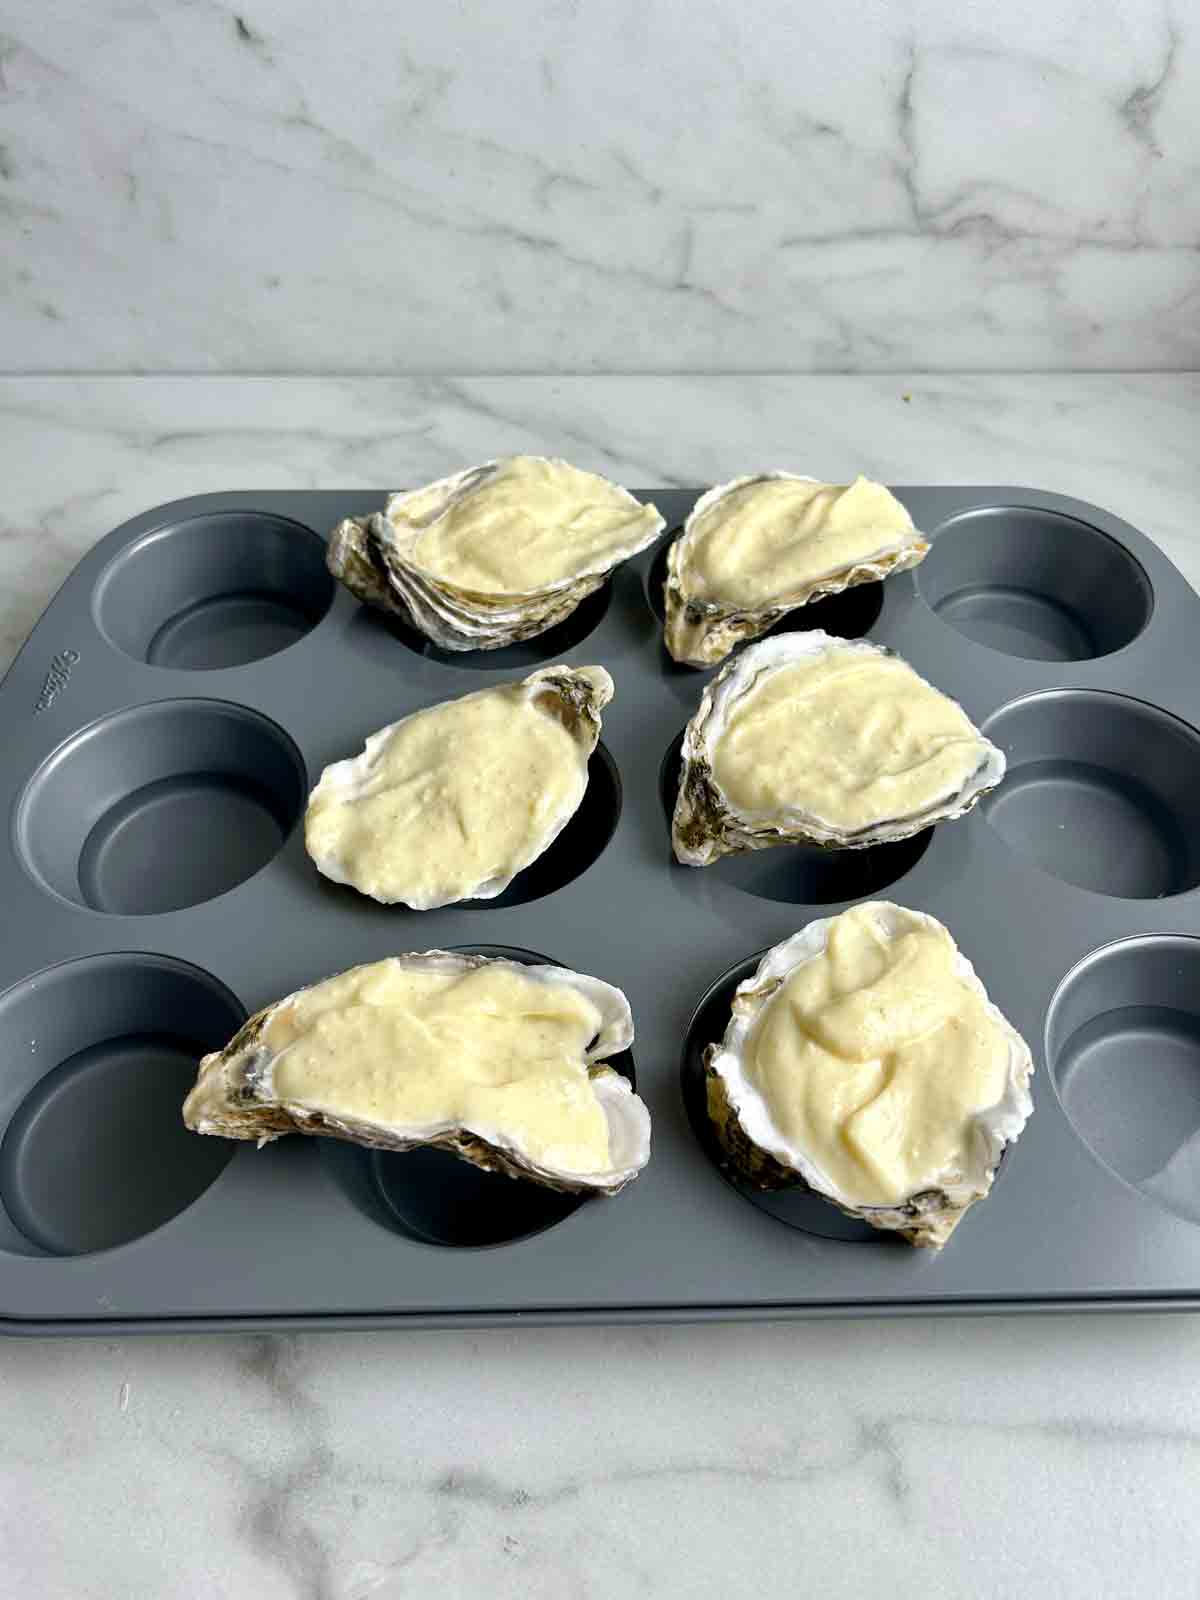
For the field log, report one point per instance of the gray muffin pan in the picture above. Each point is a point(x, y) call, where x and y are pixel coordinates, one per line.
point(161, 730)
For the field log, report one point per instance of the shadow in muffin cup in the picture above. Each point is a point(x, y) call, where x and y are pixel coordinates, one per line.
point(798, 1208)
point(799, 874)
point(848, 615)
point(523, 656)
point(434, 1197)
point(99, 1053)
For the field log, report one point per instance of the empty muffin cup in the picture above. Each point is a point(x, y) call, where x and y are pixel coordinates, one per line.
point(1035, 583)
point(96, 1056)
point(161, 806)
point(434, 1197)
point(1101, 791)
point(1123, 1049)
point(216, 590)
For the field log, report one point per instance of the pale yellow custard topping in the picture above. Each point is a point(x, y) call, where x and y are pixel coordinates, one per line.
point(492, 1049)
point(777, 537)
point(851, 737)
point(875, 1056)
point(451, 797)
point(531, 524)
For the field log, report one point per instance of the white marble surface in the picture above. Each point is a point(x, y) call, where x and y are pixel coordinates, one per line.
point(947, 1459)
point(81, 455)
point(643, 185)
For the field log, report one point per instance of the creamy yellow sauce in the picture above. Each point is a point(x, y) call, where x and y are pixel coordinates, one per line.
point(874, 1057)
point(531, 524)
point(852, 738)
point(489, 1050)
point(772, 539)
point(454, 795)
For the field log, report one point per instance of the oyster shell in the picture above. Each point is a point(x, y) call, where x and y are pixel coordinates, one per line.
point(495, 554)
point(864, 1060)
point(758, 547)
point(815, 760)
point(498, 1062)
point(452, 802)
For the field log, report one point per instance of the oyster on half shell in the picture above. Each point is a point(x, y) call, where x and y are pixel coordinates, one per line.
point(864, 1060)
point(758, 547)
point(806, 738)
point(453, 801)
point(495, 554)
point(501, 1063)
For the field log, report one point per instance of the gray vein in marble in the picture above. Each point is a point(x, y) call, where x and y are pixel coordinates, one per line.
point(248, 36)
point(653, 192)
point(1017, 1456)
point(515, 218)
point(884, 1446)
point(280, 1536)
point(429, 215)
point(928, 220)
point(570, 433)
point(1140, 107)
point(906, 135)
point(300, 115)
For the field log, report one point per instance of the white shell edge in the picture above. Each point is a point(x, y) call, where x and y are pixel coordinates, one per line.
point(994, 1128)
point(626, 1113)
point(347, 778)
point(450, 487)
point(765, 656)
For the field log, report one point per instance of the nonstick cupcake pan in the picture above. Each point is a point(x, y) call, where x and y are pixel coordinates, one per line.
point(161, 730)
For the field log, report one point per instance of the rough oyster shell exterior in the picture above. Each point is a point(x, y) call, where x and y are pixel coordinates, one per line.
point(234, 1097)
point(372, 556)
point(759, 1154)
point(707, 825)
point(701, 632)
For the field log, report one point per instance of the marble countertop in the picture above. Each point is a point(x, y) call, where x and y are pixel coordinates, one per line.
point(947, 1458)
point(196, 186)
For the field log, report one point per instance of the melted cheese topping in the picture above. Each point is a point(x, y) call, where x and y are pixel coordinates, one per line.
point(449, 798)
point(768, 540)
point(531, 524)
point(491, 1050)
point(875, 1056)
point(850, 737)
